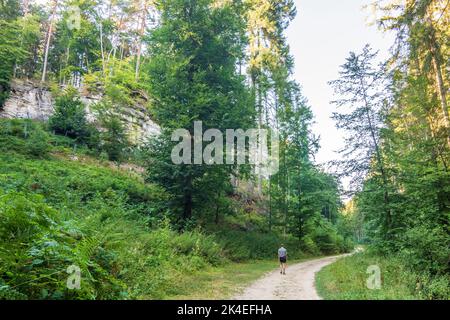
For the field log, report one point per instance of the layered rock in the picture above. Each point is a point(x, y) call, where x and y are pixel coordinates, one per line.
point(29, 100)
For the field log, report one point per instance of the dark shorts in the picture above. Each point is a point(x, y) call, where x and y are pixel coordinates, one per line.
point(283, 259)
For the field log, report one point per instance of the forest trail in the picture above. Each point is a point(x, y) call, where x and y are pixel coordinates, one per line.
point(297, 284)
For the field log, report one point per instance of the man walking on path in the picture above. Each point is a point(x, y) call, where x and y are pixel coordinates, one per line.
point(282, 256)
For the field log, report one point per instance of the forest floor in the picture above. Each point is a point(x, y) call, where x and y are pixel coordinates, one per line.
point(297, 284)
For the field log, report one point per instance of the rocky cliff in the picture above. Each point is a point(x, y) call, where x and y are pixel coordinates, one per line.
point(29, 100)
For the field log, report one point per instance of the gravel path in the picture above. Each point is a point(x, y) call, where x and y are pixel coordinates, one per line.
point(297, 284)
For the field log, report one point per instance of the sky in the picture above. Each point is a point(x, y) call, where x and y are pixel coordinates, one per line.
point(320, 38)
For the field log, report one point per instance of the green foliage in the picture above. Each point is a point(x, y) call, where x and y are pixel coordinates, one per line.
point(307, 244)
point(328, 240)
point(69, 119)
point(98, 219)
point(193, 77)
point(139, 237)
point(19, 36)
point(428, 249)
point(244, 245)
point(95, 218)
point(37, 143)
point(118, 84)
point(57, 212)
point(76, 51)
point(346, 280)
point(402, 207)
point(114, 138)
point(200, 245)
point(10, 51)
point(38, 251)
point(10, 9)
point(24, 136)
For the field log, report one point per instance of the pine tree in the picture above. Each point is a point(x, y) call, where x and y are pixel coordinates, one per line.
point(360, 90)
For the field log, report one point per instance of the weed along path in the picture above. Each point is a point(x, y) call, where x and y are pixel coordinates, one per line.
point(297, 284)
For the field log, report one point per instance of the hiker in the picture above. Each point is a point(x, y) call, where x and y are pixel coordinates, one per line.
point(282, 256)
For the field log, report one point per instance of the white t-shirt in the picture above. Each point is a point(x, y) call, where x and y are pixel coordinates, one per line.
point(282, 252)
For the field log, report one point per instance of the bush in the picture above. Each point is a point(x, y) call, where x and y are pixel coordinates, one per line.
point(37, 144)
point(433, 287)
point(69, 119)
point(328, 240)
point(325, 241)
point(25, 137)
point(114, 138)
point(198, 244)
point(427, 249)
point(248, 245)
point(308, 245)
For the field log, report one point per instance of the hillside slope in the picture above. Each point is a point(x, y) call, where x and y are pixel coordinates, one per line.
point(61, 208)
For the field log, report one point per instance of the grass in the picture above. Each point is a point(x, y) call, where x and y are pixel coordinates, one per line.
point(215, 283)
point(346, 279)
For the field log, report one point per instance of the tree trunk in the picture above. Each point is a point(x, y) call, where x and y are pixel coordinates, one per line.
point(285, 191)
point(270, 203)
point(260, 120)
point(101, 49)
point(139, 44)
point(300, 218)
point(441, 90)
point(260, 147)
point(187, 212)
point(442, 95)
point(216, 220)
point(187, 205)
point(378, 156)
point(26, 7)
point(49, 36)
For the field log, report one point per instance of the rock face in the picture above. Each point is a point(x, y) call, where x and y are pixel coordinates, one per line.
point(30, 101)
point(27, 100)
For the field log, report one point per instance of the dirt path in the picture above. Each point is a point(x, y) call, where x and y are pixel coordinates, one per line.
point(297, 284)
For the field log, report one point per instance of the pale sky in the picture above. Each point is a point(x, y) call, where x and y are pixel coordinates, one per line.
point(320, 38)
